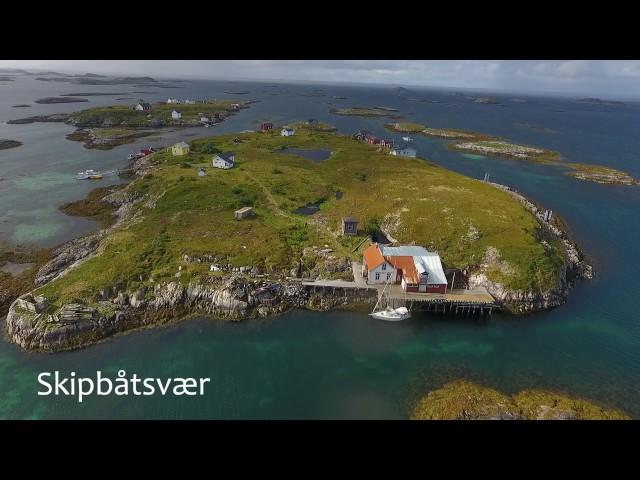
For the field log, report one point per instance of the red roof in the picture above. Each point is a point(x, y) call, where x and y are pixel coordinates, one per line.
point(372, 257)
point(408, 267)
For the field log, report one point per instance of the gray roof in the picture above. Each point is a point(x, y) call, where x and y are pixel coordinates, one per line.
point(405, 251)
point(227, 156)
point(182, 144)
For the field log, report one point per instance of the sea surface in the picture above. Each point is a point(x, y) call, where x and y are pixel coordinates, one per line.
point(308, 365)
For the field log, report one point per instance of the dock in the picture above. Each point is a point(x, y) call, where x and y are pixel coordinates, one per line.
point(466, 302)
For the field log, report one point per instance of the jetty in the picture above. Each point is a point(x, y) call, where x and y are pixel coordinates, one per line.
point(459, 301)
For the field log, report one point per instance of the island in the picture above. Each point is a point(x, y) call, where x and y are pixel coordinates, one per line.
point(53, 118)
point(599, 101)
point(6, 78)
point(366, 112)
point(486, 100)
point(481, 144)
point(51, 100)
point(92, 94)
point(107, 138)
point(183, 238)
point(106, 127)
point(22, 105)
point(6, 144)
point(93, 79)
point(464, 400)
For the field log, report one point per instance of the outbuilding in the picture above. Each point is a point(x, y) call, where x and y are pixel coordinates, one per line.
point(244, 212)
point(181, 148)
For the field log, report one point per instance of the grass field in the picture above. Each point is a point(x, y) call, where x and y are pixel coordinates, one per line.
point(414, 200)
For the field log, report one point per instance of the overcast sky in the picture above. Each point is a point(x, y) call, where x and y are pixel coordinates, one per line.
point(606, 78)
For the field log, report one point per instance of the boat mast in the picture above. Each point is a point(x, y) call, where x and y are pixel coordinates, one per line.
point(381, 295)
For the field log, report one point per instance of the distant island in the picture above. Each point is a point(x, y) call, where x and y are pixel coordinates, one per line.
point(464, 400)
point(106, 127)
point(366, 112)
point(600, 101)
point(6, 144)
point(22, 105)
point(6, 78)
point(93, 79)
point(237, 92)
point(51, 100)
point(474, 142)
point(487, 100)
point(92, 94)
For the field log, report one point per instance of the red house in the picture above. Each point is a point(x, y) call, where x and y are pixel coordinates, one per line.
point(266, 126)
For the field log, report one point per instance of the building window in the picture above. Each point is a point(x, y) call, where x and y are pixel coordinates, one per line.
point(388, 276)
point(384, 266)
point(377, 275)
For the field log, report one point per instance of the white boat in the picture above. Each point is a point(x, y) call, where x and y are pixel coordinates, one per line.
point(407, 139)
point(390, 314)
point(89, 175)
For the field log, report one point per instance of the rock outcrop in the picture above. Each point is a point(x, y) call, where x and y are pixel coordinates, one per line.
point(575, 267)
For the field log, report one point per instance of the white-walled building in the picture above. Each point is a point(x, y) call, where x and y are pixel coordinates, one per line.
point(287, 132)
point(176, 115)
point(404, 152)
point(224, 160)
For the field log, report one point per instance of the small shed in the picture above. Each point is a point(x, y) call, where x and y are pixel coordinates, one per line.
point(181, 148)
point(265, 126)
point(287, 132)
point(349, 226)
point(244, 212)
point(202, 172)
point(176, 115)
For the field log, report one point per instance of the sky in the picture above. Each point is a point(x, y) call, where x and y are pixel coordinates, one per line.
point(603, 78)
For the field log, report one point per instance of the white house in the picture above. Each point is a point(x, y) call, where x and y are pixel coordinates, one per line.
point(142, 107)
point(377, 268)
point(287, 132)
point(176, 115)
point(189, 102)
point(205, 119)
point(173, 100)
point(224, 160)
point(404, 152)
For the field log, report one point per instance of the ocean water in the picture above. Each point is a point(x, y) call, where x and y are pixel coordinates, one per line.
point(338, 364)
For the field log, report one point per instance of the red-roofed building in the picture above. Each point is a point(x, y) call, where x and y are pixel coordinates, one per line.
point(375, 267)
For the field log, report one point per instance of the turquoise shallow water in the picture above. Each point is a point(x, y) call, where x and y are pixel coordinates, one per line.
point(338, 364)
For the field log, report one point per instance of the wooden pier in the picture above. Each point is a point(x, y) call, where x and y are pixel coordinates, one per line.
point(463, 302)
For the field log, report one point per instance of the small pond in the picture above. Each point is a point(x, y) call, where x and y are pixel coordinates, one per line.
point(317, 155)
point(308, 209)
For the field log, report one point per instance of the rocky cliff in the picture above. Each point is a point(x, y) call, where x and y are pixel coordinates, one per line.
point(575, 267)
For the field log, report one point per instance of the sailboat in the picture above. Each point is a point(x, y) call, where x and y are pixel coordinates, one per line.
point(390, 314)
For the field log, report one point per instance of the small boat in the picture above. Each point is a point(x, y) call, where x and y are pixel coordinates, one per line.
point(390, 314)
point(407, 139)
point(131, 156)
point(89, 175)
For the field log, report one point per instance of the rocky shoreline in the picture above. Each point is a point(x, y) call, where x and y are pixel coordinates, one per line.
point(242, 293)
point(237, 293)
point(576, 266)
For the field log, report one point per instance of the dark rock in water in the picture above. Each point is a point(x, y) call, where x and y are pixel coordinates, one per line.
point(92, 94)
point(22, 105)
point(6, 144)
point(56, 117)
point(51, 100)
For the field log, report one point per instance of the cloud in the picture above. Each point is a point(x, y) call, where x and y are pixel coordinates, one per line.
point(603, 77)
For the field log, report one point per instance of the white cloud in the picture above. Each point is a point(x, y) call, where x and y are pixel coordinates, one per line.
point(568, 76)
